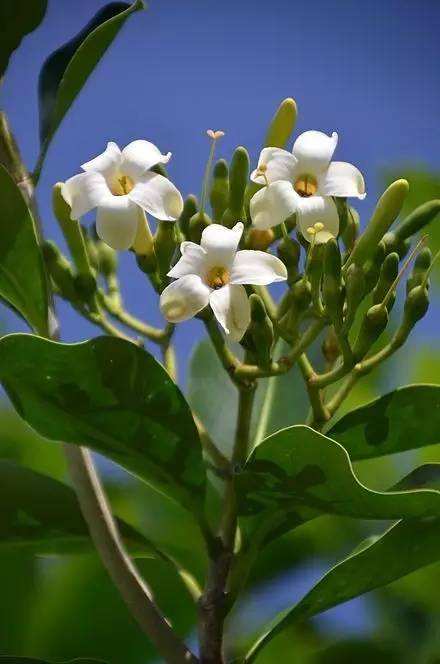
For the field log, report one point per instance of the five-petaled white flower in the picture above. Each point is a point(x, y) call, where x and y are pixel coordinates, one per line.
point(303, 182)
point(118, 183)
point(213, 273)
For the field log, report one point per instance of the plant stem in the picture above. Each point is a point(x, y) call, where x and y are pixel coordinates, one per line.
point(213, 605)
point(124, 317)
point(124, 574)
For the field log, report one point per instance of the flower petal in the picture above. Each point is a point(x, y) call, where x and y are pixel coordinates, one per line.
point(279, 165)
point(84, 192)
point(342, 179)
point(192, 261)
point(318, 209)
point(258, 268)
point(220, 243)
point(117, 221)
point(139, 156)
point(314, 151)
point(273, 204)
point(107, 162)
point(231, 307)
point(157, 196)
point(184, 298)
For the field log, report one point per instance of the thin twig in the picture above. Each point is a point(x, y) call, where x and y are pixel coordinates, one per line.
point(121, 568)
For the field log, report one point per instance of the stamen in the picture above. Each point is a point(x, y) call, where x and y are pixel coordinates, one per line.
point(311, 230)
point(261, 172)
point(319, 226)
point(217, 277)
point(306, 186)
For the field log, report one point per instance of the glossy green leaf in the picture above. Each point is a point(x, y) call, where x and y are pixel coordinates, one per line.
point(405, 547)
point(17, 18)
point(22, 276)
point(113, 397)
point(298, 473)
point(43, 515)
point(407, 418)
point(360, 651)
point(66, 70)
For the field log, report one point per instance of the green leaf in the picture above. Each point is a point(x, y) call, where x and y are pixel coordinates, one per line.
point(113, 397)
point(66, 70)
point(17, 18)
point(43, 515)
point(360, 651)
point(407, 418)
point(298, 473)
point(22, 276)
point(405, 547)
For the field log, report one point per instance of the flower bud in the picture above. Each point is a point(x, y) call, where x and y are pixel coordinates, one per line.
point(261, 330)
point(189, 210)
point(260, 240)
point(418, 219)
point(289, 251)
point(332, 283)
point(422, 264)
point(238, 179)
point(219, 194)
point(197, 224)
point(72, 232)
point(387, 210)
point(388, 274)
point(107, 258)
point(355, 289)
point(351, 230)
point(393, 243)
point(416, 306)
point(60, 271)
point(372, 326)
point(165, 243)
point(372, 267)
point(282, 124)
point(330, 347)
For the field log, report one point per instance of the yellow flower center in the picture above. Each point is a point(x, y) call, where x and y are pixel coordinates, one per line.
point(122, 185)
point(306, 185)
point(217, 277)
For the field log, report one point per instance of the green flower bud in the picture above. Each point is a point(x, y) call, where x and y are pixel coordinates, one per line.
point(261, 329)
point(289, 251)
point(393, 243)
point(418, 219)
point(60, 271)
point(189, 210)
point(238, 179)
point(422, 264)
point(107, 258)
point(387, 210)
point(351, 230)
point(72, 232)
point(332, 283)
point(355, 290)
point(165, 243)
point(373, 324)
point(282, 124)
point(372, 267)
point(416, 306)
point(219, 194)
point(197, 224)
point(388, 274)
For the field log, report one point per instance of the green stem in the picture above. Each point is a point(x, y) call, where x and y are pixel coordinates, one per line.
point(124, 317)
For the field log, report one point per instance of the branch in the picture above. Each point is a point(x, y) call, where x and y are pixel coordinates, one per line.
point(126, 578)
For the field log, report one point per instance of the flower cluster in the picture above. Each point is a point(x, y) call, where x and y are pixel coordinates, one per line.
point(122, 186)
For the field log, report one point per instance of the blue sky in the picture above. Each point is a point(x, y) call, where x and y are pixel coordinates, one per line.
point(367, 70)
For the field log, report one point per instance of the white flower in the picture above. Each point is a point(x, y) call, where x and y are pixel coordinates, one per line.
point(213, 273)
point(119, 184)
point(303, 182)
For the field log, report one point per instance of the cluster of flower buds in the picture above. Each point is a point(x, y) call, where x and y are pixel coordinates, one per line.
point(287, 220)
